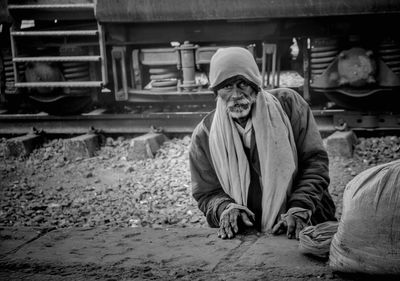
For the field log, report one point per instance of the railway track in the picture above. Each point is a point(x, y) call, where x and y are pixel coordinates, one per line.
point(173, 123)
point(104, 123)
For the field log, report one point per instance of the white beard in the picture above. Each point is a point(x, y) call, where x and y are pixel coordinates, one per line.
point(241, 108)
point(237, 112)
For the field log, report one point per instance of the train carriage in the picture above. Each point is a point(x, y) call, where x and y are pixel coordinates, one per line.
point(64, 56)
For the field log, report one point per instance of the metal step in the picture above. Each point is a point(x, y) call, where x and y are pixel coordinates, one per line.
point(83, 6)
point(88, 84)
point(56, 33)
point(54, 59)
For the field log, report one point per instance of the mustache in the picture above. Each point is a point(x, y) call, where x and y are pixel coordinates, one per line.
point(243, 101)
point(238, 107)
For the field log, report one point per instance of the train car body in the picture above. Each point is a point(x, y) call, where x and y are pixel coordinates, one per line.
point(63, 55)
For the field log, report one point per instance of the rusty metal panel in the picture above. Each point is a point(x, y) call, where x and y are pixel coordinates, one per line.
point(51, 9)
point(161, 56)
point(189, 10)
point(214, 31)
point(204, 54)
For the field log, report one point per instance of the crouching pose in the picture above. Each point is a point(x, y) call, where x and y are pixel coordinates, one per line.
point(258, 159)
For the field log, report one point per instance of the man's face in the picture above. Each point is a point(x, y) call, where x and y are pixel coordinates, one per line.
point(239, 97)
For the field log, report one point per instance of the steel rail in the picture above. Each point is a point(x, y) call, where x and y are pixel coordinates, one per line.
point(327, 121)
point(106, 123)
point(169, 123)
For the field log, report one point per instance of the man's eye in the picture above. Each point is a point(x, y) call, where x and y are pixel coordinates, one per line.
point(228, 87)
point(243, 84)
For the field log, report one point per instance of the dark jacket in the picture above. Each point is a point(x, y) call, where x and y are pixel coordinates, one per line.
point(310, 188)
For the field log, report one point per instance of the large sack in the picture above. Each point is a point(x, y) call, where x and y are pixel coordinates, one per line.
point(368, 237)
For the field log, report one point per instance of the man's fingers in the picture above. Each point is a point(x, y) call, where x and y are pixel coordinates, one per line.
point(221, 233)
point(225, 230)
point(222, 226)
point(291, 227)
point(245, 219)
point(299, 227)
point(233, 222)
point(225, 225)
point(228, 231)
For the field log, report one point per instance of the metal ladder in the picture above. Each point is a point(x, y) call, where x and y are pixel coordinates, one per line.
point(54, 12)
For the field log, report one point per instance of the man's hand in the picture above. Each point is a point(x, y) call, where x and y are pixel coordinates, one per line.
point(291, 224)
point(230, 218)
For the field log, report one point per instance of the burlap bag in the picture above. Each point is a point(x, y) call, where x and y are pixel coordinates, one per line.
point(368, 236)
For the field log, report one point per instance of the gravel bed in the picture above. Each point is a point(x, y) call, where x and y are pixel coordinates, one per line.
point(45, 190)
point(368, 153)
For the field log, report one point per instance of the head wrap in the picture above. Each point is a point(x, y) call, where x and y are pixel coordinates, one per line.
point(233, 61)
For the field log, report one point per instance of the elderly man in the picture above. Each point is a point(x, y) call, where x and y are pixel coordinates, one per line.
point(258, 159)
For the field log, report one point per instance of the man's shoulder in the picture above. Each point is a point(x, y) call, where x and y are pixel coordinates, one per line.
point(289, 99)
point(204, 126)
point(208, 120)
point(285, 94)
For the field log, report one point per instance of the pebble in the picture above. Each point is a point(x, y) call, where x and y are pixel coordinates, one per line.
point(130, 169)
point(109, 142)
point(89, 188)
point(54, 205)
point(38, 218)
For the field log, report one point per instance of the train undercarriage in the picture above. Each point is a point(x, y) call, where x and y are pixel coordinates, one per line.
point(67, 57)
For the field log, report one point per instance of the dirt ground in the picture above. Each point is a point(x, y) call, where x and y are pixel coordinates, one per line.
point(46, 190)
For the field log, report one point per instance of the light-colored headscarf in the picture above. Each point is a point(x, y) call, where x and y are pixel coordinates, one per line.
point(274, 139)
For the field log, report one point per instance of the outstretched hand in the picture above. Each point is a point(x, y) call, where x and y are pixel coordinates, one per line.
point(291, 224)
point(230, 219)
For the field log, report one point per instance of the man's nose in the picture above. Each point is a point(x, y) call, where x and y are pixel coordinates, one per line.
point(236, 92)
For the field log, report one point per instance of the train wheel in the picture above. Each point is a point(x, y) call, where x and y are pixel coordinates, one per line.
point(62, 105)
point(59, 101)
point(371, 101)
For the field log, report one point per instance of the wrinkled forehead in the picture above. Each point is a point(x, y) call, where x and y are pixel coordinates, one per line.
point(234, 80)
